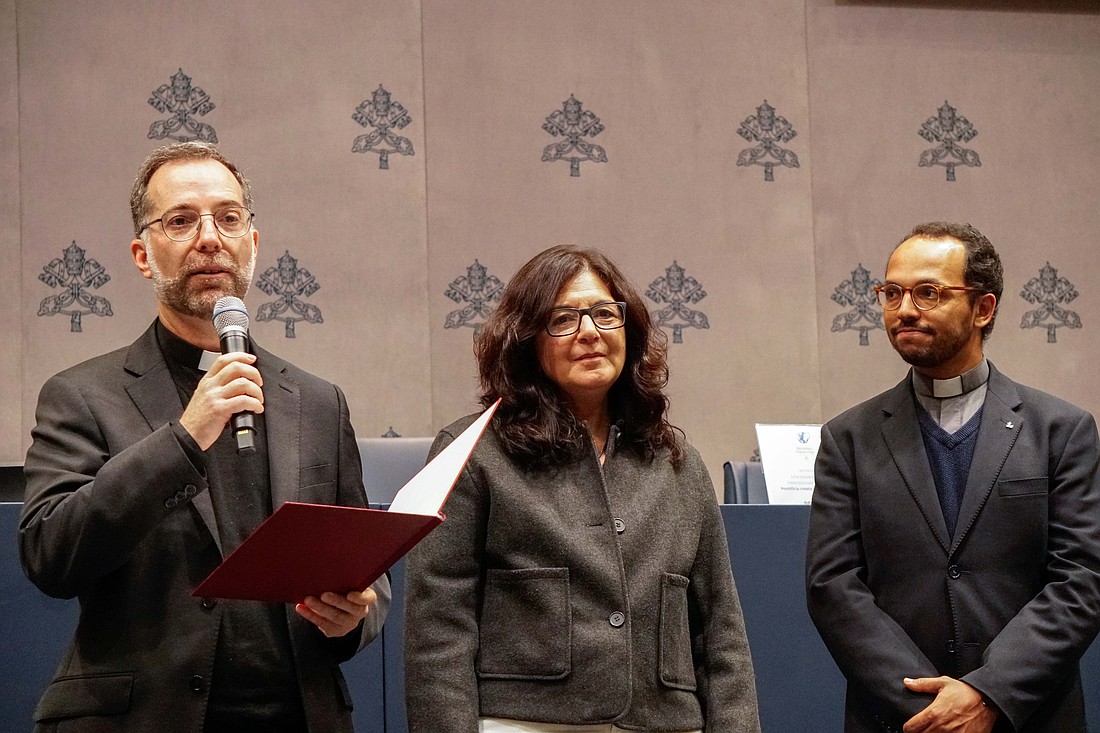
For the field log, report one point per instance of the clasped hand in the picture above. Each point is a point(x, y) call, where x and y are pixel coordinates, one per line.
point(957, 708)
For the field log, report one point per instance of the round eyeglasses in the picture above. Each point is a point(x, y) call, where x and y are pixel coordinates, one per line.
point(567, 321)
point(182, 225)
point(926, 296)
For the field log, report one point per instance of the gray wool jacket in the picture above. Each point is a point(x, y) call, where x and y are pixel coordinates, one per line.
point(577, 595)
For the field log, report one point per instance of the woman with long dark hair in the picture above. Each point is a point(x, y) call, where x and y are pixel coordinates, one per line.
point(581, 581)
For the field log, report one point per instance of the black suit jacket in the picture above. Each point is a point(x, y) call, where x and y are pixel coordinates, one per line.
point(119, 517)
point(1009, 604)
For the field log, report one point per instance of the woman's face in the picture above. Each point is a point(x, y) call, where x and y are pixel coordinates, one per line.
point(584, 364)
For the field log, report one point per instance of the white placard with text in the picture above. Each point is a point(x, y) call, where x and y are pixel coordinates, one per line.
point(788, 453)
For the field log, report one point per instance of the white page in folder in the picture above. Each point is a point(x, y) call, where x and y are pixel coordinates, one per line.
point(427, 490)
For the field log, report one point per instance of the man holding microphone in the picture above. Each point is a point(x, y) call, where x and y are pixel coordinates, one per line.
point(136, 491)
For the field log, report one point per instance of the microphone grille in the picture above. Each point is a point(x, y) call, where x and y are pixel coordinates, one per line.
point(230, 311)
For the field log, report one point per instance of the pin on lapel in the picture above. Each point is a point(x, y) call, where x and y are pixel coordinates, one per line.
point(1009, 425)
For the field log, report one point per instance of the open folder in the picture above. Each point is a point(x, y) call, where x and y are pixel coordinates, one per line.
point(306, 549)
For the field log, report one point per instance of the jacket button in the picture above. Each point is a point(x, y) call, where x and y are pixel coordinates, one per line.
point(197, 683)
point(954, 573)
point(620, 525)
point(171, 503)
point(617, 619)
point(951, 647)
point(208, 603)
point(190, 489)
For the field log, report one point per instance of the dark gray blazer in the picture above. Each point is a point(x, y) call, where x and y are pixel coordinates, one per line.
point(1009, 604)
point(576, 596)
point(117, 516)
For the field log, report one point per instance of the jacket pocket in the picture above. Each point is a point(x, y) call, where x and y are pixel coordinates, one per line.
point(676, 667)
point(72, 697)
point(526, 625)
point(1023, 486)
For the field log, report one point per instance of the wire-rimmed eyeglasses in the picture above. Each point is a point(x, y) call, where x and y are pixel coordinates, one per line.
point(181, 225)
point(605, 316)
point(926, 296)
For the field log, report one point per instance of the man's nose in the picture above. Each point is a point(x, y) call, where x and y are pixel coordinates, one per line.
point(209, 236)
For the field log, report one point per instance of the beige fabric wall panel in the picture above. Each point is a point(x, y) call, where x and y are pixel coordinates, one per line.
point(1025, 82)
point(11, 356)
point(670, 84)
point(376, 265)
point(341, 240)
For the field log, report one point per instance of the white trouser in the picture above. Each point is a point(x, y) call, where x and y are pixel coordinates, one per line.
point(499, 725)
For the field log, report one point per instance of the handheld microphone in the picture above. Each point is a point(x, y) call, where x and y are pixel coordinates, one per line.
point(231, 322)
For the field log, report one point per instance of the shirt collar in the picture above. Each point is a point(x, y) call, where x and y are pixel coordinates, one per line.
point(178, 351)
point(955, 386)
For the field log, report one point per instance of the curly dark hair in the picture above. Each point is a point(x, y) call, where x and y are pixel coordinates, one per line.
point(534, 420)
point(983, 268)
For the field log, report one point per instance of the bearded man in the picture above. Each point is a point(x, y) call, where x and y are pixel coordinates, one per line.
point(135, 492)
point(953, 558)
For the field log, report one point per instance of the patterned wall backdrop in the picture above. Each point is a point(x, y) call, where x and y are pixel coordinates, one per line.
point(749, 165)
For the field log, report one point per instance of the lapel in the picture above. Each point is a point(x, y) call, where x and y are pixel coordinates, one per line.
point(282, 416)
point(153, 381)
point(995, 440)
point(283, 422)
point(903, 439)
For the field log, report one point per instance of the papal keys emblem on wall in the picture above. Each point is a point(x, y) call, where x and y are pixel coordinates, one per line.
point(289, 284)
point(767, 130)
point(385, 115)
point(75, 274)
point(573, 123)
point(477, 291)
point(678, 292)
point(948, 129)
point(183, 103)
point(864, 314)
point(1050, 292)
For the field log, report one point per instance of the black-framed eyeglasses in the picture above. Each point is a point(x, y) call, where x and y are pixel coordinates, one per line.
point(926, 296)
point(181, 225)
point(605, 316)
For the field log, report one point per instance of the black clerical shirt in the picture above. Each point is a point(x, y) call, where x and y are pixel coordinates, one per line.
point(254, 684)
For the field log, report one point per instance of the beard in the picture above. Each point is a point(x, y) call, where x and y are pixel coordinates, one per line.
point(178, 293)
point(946, 343)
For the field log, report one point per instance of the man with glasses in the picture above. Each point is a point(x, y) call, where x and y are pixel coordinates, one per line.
point(135, 492)
point(953, 558)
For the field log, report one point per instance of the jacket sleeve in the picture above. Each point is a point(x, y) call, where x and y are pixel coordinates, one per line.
point(442, 602)
point(872, 651)
point(720, 646)
point(87, 508)
point(1043, 643)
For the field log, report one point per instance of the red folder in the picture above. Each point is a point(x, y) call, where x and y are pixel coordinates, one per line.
point(306, 549)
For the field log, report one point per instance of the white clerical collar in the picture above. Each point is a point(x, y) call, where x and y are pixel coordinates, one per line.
point(954, 386)
point(207, 360)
